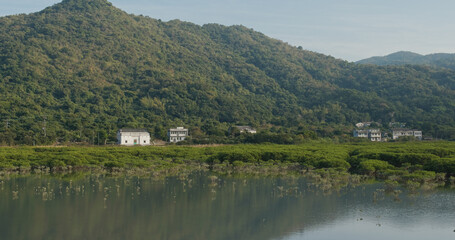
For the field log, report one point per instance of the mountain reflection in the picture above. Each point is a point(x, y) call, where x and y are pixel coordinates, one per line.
point(188, 207)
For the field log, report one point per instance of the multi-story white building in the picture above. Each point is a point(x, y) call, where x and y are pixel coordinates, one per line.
point(361, 133)
point(373, 134)
point(397, 133)
point(132, 137)
point(177, 134)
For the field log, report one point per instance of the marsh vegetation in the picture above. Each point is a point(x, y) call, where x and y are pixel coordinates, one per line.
point(412, 164)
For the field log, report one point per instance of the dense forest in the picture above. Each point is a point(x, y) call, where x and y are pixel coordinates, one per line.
point(441, 60)
point(79, 70)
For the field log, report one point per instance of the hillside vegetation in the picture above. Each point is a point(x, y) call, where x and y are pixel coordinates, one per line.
point(79, 70)
point(439, 60)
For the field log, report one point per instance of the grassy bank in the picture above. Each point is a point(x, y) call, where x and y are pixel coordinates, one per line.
point(410, 163)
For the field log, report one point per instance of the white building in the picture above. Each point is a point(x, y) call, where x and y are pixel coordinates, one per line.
point(367, 124)
point(363, 124)
point(361, 133)
point(246, 129)
point(177, 134)
point(397, 133)
point(132, 137)
point(373, 134)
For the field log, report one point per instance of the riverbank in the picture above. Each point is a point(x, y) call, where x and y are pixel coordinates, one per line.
point(413, 164)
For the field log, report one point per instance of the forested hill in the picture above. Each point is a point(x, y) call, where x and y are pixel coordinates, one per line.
point(81, 69)
point(442, 60)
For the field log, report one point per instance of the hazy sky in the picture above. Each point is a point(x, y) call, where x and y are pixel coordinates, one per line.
point(346, 29)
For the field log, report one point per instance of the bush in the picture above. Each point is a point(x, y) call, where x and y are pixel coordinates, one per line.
point(333, 163)
point(5, 165)
point(238, 164)
point(55, 163)
point(234, 156)
point(440, 152)
point(371, 167)
point(420, 176)
point(416, 158)
point(444, 165)
point(71, 160)
point(114, 164)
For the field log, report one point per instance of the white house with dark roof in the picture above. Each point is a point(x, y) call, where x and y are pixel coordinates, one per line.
point(132, 137)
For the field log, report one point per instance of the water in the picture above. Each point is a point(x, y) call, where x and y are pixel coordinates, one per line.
point(205, 207)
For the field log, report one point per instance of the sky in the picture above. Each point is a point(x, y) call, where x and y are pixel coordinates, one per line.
point(347, 29)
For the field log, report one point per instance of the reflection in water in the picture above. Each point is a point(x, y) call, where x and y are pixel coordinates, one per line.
point(211, 207)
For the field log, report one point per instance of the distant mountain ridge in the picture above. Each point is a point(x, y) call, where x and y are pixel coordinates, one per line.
point(444, 60)
point(81, 69)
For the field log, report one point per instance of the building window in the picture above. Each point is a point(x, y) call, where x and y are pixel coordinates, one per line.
point(126, 141)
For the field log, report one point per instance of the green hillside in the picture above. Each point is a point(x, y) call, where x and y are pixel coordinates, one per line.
point(81, 69)
point(441, 60)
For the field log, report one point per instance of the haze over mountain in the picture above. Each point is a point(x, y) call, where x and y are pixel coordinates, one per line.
point(83, 68)
point(444, 60)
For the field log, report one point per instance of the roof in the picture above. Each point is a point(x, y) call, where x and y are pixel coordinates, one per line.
point(178, 129)
point(404, 129)
point(367, 130)
point(361, 131)
point(132, 130)
point(245, 127)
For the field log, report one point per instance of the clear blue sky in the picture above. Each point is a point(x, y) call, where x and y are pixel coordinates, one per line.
point(346, 29)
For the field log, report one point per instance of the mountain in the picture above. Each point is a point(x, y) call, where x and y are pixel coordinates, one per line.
point(81, 69)
point(443, 60)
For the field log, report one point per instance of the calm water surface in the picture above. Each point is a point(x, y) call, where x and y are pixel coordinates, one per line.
point(204, 207)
